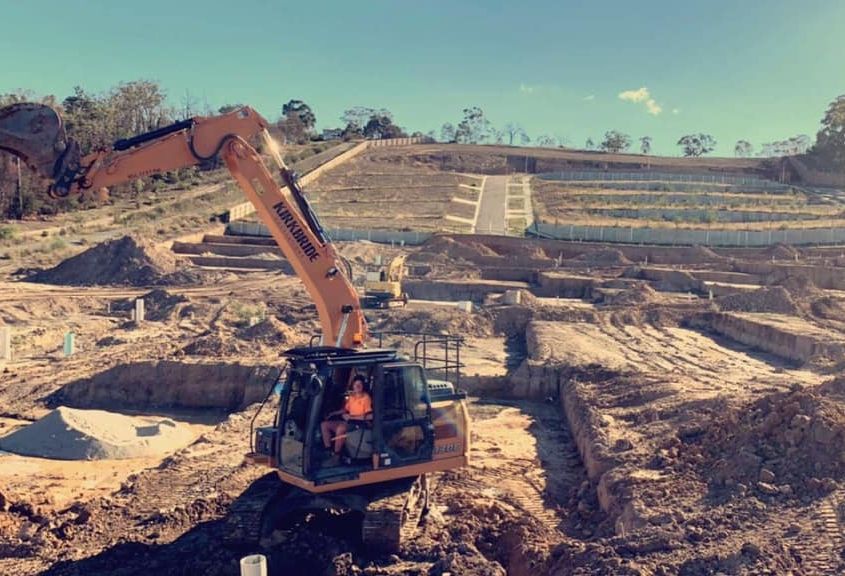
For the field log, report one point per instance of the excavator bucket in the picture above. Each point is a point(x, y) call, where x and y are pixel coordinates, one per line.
point(34, 133)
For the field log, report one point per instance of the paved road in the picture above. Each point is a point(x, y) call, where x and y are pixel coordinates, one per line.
point(491, 215)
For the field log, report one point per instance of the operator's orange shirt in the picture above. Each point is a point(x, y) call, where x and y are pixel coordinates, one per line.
point(359, 406)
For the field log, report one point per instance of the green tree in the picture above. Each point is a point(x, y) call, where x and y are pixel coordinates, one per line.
point(516, 132)
point(645, 145)
point(743, 149)
point(695, 145)
point(302, 111)
point(546, 141)
point(589, 144)
point(136, 107)
point(447, 133)
point(86, 117)
point(830, 140)
point(381, 126)
point(615, 141)
point(474, 128)
point(355, 118)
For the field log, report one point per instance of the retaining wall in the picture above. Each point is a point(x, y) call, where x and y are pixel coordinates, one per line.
point(727, 277)
point(700, 215)
point(225, 249)
point(687, 236)
point(551, 284)
point(242, 263)
point(457, 290)
point(825, 277)
point(380, 236)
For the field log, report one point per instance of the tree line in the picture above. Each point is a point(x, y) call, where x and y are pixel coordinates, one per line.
point(132, 108)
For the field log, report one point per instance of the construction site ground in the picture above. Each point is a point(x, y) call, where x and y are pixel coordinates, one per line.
point(636, 409)
point(624, 422)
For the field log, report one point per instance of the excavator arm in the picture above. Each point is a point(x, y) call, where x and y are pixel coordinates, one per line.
point(35, 133)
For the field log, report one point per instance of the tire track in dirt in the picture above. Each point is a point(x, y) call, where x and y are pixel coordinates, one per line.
point(816, 536)
point(538, 483)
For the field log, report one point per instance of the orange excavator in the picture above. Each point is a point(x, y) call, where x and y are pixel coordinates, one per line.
point(419, 425)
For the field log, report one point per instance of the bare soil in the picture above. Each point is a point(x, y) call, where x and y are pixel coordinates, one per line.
point(618, 432)
point(123, 262)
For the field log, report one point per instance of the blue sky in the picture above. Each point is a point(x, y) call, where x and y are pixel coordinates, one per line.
point(755, 69)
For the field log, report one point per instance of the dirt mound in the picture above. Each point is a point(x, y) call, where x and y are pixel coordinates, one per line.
point(159, 304)
point(780, 252)
point(828, 308)
point(639, 294)
point(698, 254)
point(363, 252)
point(436, 321)
point(800, 287)
point(125, 261)
point(453, 249)
point(783, 443)
point(214, 344)
point(269, 331)
point(608, 257)
point(69, 434)
point(525, 249)
point(665, 280)
point(774, 299)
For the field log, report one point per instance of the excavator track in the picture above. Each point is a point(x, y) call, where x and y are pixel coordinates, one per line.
point(393, 514)
point(248, 516)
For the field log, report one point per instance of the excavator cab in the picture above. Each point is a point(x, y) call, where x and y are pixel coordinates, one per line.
point(420, 425)
point(401, 440)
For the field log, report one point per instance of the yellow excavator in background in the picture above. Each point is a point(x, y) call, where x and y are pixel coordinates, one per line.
point(419, 425)
point(383, 287)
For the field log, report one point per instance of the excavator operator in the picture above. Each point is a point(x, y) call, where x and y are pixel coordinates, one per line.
point(358, 406)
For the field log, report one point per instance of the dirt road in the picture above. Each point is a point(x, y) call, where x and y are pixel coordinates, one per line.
point(491, 215)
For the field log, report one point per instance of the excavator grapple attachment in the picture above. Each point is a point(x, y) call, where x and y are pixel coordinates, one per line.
point(34, 133)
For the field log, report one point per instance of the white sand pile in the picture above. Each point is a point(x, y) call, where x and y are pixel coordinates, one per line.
point(70, 434)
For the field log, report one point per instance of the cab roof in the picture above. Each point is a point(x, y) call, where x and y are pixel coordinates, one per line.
point(333, 355)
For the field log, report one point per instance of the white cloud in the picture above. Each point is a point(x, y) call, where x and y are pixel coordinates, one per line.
point(676, 111)
point(653, 107)
point(642, 96)
point(590, 98)
point(526, 89)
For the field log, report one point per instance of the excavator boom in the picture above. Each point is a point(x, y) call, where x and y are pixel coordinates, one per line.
point(35, 133)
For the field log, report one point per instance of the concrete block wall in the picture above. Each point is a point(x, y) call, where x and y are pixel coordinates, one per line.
point(688, 236)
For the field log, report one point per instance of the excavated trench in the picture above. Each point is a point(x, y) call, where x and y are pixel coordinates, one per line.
point(166, 384)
